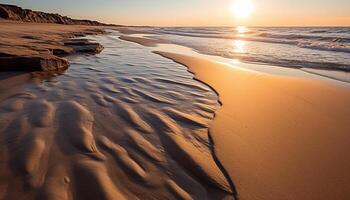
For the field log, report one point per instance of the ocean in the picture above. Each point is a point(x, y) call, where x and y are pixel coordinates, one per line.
point(307, 47)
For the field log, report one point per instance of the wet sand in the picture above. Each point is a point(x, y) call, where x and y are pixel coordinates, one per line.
point(132, 124)
point(142, 40)
point(123, 124)
point(278, 137)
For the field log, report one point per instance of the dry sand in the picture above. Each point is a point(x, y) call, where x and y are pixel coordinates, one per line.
point(27, 39)
point(279, 137)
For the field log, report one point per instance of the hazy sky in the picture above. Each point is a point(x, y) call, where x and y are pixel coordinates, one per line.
point(198, 12)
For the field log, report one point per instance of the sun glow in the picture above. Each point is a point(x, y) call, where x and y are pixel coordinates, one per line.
point(239, 46)
point(241, 29)
point(242, 9)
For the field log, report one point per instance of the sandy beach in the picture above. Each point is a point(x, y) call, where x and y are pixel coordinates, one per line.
point(291, 126)
point(108, 127)
point(105, 112)
point(297, 129)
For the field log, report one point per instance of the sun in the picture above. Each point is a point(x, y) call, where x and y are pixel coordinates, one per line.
point(242, 9)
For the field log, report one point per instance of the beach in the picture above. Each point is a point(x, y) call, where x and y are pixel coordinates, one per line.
point(278, 136)
point(142, 117)
point(109, 128)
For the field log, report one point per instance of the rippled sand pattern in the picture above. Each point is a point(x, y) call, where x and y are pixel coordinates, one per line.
point(124, 124)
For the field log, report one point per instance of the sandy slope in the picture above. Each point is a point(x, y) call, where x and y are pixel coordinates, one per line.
point(279, 137)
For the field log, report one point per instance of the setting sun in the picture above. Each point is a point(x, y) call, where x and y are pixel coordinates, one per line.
point(242, 9)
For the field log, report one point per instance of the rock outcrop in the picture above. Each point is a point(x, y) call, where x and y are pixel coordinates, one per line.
point(48, 62)
point(84, 46)
point(12, 12)
point(40, 47)
point(44, 63)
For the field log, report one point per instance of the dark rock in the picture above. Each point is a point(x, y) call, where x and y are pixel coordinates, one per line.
point(2, 54)
point(79, 34)
point(74, 42)
point(95, 31)
point(84, 46)
point(3, 13)
point(30, 37)
point(89, 48)
point(62, 52)
point(12, 12)
point(33, 63)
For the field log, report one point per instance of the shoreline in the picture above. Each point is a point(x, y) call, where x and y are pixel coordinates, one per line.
point(226, 129)
point(210, 137)
point(218, 132)
point(146, 39)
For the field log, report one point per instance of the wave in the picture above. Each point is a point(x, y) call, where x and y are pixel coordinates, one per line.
point(326, 48)
point(306, 37)
point(330, 39)
point(289, 62)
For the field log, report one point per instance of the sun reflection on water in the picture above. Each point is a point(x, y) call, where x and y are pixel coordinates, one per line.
point(235, 61)
point(241, 29)
point(239, 46)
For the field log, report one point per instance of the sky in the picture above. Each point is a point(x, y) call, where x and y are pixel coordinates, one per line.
point(198, 12)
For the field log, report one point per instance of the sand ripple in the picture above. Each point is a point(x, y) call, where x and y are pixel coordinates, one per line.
point(119, 125)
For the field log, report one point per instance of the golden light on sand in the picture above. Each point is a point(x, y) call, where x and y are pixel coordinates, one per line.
point(242, 9)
